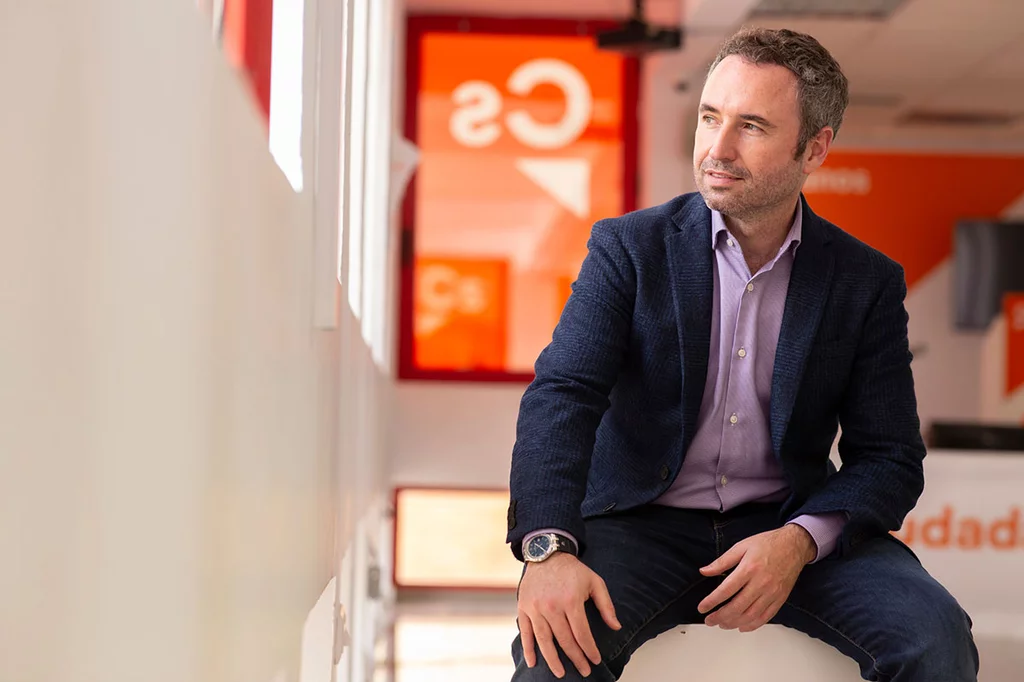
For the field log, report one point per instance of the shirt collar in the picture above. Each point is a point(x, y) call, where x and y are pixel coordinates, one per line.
point(718, 228)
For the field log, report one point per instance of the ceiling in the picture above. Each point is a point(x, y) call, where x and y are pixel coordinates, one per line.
point(938, 57)
point(656, 10)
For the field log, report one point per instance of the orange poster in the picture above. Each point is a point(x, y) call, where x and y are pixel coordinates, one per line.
point(460, 314)
point(522, 148)
point(1014, 309)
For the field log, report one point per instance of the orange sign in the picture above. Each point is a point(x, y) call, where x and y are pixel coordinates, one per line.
point(1013, 307)
point(522, 149)
point(948, 529)
point(906, 205)
point(460, 314)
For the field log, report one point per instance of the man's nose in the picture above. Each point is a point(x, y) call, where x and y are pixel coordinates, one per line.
point(723, 147)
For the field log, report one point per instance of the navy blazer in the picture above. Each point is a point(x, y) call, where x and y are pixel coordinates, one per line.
point(607, 421)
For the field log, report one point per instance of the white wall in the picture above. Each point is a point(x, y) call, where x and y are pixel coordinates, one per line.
point(449, 434)
point(169, 442)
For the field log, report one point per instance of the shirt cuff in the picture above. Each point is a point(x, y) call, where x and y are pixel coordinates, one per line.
point(824, 529)
point(542, 531)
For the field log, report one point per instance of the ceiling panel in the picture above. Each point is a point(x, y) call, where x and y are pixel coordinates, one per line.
point(858, 117)
point(934, 40)
point(843, 38)
point(988, 95)
point(1007, 62)
point(658, 11)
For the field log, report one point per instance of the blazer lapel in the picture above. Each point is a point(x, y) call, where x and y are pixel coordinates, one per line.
point(690, 267)
point(809, 287)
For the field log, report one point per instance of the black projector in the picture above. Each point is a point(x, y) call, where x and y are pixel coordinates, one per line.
point(637, 37)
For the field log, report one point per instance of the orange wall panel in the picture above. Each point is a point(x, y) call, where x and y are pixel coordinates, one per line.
point(907, 204)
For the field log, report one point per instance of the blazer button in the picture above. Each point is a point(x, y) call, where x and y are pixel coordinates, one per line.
point(665, 472)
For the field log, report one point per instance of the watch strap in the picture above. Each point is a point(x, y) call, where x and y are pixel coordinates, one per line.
point(564, 544)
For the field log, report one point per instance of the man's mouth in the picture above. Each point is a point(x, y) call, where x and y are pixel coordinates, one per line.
point(721, 180)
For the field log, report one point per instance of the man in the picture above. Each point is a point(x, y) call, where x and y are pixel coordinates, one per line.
point(672, 455)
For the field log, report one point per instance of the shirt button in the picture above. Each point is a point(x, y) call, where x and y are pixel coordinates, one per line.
point(730, 242)
point(664, 472)
point(733, 419)
point(750, 287)
point(725, 481)
point(742, 353)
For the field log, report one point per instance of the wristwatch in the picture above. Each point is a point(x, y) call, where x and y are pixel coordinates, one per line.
point(543, 546)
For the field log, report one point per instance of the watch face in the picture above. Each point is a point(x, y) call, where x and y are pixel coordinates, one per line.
point(539, 546)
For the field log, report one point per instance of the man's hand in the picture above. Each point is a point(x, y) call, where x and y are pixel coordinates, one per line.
point(551, 598)
point(766, 568)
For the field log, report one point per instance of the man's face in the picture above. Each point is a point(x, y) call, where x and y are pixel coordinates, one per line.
point(747, 131)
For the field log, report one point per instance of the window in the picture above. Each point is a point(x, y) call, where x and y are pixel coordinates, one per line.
point(265, 40)
point(356, 139)
point(377, 214)
point(286, 59)
point(453, 539)
point(527, 136)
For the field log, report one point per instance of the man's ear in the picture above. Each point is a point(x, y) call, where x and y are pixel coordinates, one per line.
point(817, 149)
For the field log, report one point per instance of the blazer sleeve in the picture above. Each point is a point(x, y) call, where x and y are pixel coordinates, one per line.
point(561, 409)
point(882, 451)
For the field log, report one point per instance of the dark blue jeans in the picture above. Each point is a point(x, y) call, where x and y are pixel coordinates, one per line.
point(876, 604)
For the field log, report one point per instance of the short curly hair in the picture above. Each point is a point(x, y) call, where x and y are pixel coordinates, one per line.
point(823, 88)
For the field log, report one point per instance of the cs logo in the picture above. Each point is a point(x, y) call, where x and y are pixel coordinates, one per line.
point(444, 292)
point(479, 104)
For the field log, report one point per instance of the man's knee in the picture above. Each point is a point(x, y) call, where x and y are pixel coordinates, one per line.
point(611, 645)
point(938, 643)
point(948, 636)
point(542, 673)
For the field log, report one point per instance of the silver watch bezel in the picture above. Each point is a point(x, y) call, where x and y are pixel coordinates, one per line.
point(552, 548)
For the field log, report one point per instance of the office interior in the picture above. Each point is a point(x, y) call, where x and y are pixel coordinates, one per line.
point(276, 272)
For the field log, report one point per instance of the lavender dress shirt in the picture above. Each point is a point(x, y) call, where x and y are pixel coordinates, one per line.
point(730, 461)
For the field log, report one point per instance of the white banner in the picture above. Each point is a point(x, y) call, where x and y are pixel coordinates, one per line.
point(967, 530)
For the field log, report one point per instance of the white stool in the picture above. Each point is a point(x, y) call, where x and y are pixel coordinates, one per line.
point(772, 653)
